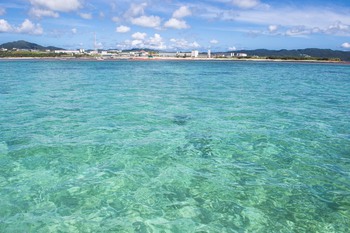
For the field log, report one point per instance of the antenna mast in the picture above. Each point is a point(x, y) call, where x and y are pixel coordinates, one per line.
point(95, 46)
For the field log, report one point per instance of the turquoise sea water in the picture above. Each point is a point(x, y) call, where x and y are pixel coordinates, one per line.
point(174, 147)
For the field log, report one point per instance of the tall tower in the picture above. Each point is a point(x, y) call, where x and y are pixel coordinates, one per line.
point(209, 53)
point(95, 44)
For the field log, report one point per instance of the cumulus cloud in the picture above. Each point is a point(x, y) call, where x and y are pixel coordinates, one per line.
point(232, 48)
point(122, 29)
point(176, 23)
point(136, 15)
point(273, 28)
point(182, 12)
point(74, 30)
point(156, 39)
point(27, 27)
point(137, 43)
point(38, 13)
point(346, 45)
point(5, 26)
point(147, 21)
point(141, 41)
point(214, 41)
point(139, 36)
point(182, 44)
point(61, 5)
point(85, 15)
point(156, 42)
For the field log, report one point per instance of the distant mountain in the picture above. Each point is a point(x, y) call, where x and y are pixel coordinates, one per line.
point(312, 52)
point(21, 44)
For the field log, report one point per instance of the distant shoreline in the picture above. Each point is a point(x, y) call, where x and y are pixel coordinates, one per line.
point(99, 59)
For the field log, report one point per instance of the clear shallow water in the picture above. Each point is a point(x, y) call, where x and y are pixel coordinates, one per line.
point(174, 147)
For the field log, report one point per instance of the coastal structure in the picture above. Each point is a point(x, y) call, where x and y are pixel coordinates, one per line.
point(194, 53)
point(242, 55)
point(72, 52)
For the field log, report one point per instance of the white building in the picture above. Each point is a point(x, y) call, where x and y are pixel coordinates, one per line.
point(209, 53)
point(242, 55)
point(194, 53)
point(93, 52)
point(168, 54)
point(68, 51)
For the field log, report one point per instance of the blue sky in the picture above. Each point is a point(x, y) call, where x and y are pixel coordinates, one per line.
point(178, 25)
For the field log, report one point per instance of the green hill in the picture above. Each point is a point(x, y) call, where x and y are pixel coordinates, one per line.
point(311, 52)
point(21, 44)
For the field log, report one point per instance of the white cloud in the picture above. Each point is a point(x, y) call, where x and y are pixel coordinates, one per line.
point(246, 4)
point(286, 17)
point(27, 27)
point(180, 44)
point(140, 41)
point(273, 28)
point(137, 43)
point(232, 48)
point(182, 12)
point(299, 31)
point(156, 39)
point(55, 5)
point(311, 18)
point(139, 36)
point(128, 44)
point(135, 10)
point(176, 23)
point(2, 11)
point(74, 30)
point(5, 26)
point(346, 45)
point(338, 28)
point(214, 41)
point(122, 29)
point(194, 44)
point(156, 42)
point(36, 12)
point(85, 15)
point(147, 21)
